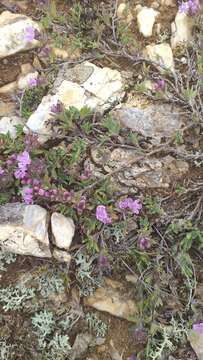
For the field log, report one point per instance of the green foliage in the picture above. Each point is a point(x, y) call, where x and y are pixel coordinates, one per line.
point(96, 325)
point(14, 298)
point(111, 125)
point(77, 151)
point(31, 99)
point(152, 205)
point(6, 258)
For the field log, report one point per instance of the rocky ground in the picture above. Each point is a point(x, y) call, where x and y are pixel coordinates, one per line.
point(101, 187)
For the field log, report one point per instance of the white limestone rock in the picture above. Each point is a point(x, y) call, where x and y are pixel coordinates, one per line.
point(63, 230)
point(84, 85)
point(8, 125)
point(12, 33)
point(24, 229)
point(146, 19)
point(181, 29)
point(161, 54)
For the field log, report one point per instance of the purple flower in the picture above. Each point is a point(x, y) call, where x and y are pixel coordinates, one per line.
point(86, 174)
point(81, 205)
point(57, 108)
point(144, 243)
point(20, 173)
point(27, 195)
point(32, 82)
point(29, 33)
point(41, 192)
point(132, 357)
point(103, 262)
point(159, 85)
point(23, 159)
point(45, 51)
point(2, 171)
point(190, 7)
point(102, 215)
point(198, 328)
point(134, 205)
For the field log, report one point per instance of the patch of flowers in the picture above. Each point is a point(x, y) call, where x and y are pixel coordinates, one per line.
point(190, 7)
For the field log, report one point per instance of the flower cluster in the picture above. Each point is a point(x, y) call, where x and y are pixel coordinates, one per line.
point(23, 161)
point(129, 204)
point(159, 85)
point(144, 242)
point(102, 215)
point(190, 7)
point(198, 328)
point(31, 34)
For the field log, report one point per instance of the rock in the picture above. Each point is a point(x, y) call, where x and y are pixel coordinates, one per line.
point(8, 125)
point(6, 108)
point(66, 53)
point(149, 173)
point(154, 173)
point(80, 345)
point(181, 29)
point(12, 33)
point(146, 19)
point(24, 229)
point(83, 85)
point(171, 3)
point(114, 299)
point(61, 256)
point(124, 13)
point(9, 88)
point(63, 230)
point(196, 341)
point(155, 121)
point(161, 54)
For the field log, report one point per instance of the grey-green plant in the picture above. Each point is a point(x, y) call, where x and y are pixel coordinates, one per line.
point(6, 350)
point(6, 258)
point(96, 325)
point(165, 339)
point(15, 297)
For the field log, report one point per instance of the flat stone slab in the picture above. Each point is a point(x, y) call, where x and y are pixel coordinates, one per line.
point(24, 229)
point(90, 86)
point(12, 33)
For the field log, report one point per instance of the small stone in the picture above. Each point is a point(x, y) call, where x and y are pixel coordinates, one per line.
point(26, 69)
point(61, 256)
point(171, 3)
point(80, 346)
point(12, 33)
point(6, 108)
point(146, 19)
point(24, 229)
point(182, 29)
point(122, 8)
point(196, 341)
point(114, 299)
point(133, 279)
point(9, 88)
point(8, 125)
point(161, 54)
point(124, 13)
point(63, 230)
